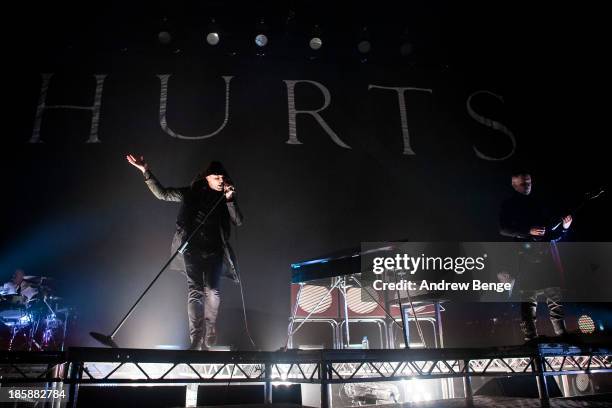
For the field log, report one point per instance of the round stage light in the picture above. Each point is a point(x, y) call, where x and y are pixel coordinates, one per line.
point(164, 37)
point(261, 40)
point(586, 324)
point(212, 38)
point(316, 43)
point(364, 46)
point(358, 301)
point(311, 295)
point(582, 382)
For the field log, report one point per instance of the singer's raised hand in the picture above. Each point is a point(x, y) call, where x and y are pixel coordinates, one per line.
point(138, 162)
point(567, 221)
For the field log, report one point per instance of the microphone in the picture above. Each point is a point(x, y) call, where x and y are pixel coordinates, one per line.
point(557, 225)
point(228, 187)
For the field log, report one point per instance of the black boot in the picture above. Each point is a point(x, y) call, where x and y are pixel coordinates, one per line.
point(559, 327)
point(211, 335)
point(530, 332)
point(196, 343)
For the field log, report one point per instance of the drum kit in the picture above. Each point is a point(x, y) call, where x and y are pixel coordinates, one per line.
point(39, 323)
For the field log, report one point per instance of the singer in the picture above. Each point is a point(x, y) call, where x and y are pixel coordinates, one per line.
point(208, 255)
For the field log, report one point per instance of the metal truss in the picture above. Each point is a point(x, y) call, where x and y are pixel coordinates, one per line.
point(85, 366)
point(32, 367)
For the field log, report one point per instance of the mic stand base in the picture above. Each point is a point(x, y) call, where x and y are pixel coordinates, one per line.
point(104, 339)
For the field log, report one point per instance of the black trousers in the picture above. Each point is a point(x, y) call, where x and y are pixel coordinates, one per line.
point(529, 306)
point(204, 271)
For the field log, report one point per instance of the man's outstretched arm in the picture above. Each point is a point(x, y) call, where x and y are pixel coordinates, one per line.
point(158, 190)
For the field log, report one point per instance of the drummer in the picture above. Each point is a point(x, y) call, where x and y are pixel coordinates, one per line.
point(19, 286)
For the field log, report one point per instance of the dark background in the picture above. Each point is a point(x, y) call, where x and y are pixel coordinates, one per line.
point(80, 213)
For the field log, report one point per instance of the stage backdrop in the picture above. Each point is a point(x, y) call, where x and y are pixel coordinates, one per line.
point(324, 156)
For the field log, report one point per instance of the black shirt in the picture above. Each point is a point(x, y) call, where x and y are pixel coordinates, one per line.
point(520, 213)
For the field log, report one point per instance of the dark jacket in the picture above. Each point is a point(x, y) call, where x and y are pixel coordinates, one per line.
point(187, 220)
point(536, 266)
point(520, 213)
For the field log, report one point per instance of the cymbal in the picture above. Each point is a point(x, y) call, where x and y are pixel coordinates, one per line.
point(54, 298)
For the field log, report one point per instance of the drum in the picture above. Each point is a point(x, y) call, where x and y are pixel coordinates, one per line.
point(13, 311)
point(6, 301)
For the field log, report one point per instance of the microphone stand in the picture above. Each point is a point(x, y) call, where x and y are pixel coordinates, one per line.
point(108, 340)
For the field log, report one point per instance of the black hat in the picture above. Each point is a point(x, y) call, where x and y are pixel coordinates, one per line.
point(216, 168)
point(520, 170)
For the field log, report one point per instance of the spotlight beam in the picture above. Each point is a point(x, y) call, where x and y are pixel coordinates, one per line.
point(108, 340)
